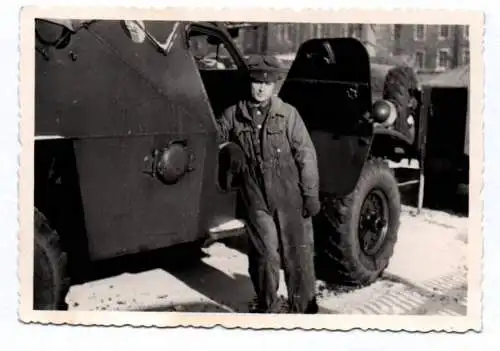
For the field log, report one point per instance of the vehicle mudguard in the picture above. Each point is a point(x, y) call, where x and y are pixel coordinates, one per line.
point(393, 145)
point(329, 84)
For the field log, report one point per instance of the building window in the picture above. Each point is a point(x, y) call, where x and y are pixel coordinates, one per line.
point(420, 59)
point(419, 32)
point(279, 33)
point(465, 57)
point(444, 32)
point(466, 32)
point(443, 59)
point(284, 33)
point(355, 30)
point(311, 30)
point(396, 32)
point(345, 30)
point(288, 32)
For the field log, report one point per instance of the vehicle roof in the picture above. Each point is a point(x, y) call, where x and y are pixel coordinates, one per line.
point(75, 24)
point(457, 77)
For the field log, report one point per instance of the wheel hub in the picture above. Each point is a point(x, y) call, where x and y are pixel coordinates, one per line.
point(373, 222)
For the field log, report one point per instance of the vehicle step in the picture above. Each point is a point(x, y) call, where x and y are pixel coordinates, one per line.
point(234, 227)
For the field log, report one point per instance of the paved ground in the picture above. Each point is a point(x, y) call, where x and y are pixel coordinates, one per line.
point(426, 276)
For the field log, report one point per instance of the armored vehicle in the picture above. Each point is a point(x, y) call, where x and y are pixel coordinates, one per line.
point(126, 158)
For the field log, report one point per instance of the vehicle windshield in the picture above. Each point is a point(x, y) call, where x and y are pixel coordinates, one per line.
point(210, 52)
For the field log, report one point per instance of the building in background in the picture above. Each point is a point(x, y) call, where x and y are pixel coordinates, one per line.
point(436, 48)
point(430, 49)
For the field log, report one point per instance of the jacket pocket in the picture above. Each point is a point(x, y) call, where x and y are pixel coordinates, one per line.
point(277, 139)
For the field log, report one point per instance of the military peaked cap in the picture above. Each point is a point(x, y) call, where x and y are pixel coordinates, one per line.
point(265, 68)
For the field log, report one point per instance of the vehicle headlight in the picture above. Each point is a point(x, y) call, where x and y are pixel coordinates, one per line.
point(384, 112)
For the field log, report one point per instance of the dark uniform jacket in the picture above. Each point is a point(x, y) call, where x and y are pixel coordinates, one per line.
point(281, 158)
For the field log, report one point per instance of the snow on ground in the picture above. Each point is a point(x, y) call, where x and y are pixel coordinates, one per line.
point(427, 275)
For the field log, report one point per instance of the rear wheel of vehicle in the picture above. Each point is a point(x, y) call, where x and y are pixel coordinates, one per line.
point(358, 241)
point(50, 283)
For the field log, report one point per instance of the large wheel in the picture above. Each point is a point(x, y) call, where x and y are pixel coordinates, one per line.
point(50, 283)
point(358, 241)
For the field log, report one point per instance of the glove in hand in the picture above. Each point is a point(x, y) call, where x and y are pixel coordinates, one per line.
point(312, 206)
point(236, 157)
point(232, 163)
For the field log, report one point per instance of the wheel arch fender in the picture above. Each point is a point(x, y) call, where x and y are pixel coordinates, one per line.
point(392, 144)
point(58, 197)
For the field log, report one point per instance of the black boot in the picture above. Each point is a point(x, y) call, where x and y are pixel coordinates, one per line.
point(312, 307)
point(281, 306)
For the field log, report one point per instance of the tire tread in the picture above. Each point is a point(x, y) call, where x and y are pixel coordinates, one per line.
point(338, 246)
point(49, 244)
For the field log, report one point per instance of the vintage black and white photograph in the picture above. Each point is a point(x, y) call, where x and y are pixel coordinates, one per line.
point(251, 168)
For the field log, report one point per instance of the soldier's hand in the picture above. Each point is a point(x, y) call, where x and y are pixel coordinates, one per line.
point(235, 157)
point(232, 163)
point(312, 206)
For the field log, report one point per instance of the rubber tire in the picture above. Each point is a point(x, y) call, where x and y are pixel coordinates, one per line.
point(50, 282)
point(397, 85)
point(339, 249)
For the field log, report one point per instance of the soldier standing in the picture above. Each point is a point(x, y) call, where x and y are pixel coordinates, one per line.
point(280, 189)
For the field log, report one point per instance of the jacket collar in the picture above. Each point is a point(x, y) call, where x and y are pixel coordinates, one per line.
point(274, 109)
